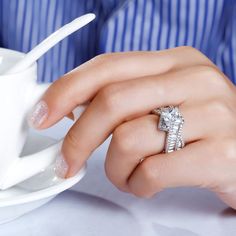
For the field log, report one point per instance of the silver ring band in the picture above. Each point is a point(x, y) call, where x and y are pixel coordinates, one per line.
point(171, 121)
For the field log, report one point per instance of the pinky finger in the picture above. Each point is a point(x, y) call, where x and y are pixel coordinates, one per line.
point(186, 167)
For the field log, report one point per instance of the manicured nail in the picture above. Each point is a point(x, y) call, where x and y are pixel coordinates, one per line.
point(38, 114)
point(61, 167)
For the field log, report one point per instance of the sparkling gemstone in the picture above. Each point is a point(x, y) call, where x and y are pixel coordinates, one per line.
point(169, 115)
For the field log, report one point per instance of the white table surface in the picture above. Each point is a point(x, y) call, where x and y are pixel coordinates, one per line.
point(95, 207)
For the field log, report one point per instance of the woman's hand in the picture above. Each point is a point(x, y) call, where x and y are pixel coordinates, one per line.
point(123, 88)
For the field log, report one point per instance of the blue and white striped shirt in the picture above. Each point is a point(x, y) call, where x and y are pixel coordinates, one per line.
point(208, 25)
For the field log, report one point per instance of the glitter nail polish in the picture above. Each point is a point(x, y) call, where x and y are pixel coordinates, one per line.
point(61, 167)
point(38, 115)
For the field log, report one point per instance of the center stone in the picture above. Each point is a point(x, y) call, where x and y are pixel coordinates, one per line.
point(168, 116)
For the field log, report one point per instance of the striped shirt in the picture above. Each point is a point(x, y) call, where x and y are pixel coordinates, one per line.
point(208, 25)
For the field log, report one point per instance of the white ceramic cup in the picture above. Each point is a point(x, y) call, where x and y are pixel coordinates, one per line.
point(18, 94)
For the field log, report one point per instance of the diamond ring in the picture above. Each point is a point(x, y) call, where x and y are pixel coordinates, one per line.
point(171, 121)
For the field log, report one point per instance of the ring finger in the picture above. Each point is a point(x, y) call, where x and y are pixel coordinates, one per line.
point(139, 138)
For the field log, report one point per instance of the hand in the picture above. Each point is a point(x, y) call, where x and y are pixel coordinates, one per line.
point(123, 88)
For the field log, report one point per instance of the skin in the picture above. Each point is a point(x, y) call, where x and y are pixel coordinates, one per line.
point(122, 89)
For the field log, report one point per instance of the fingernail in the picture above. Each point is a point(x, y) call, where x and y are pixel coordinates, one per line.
point(38, 114)
point(61, 167)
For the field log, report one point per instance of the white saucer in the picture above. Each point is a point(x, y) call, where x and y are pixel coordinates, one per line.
point(36, 191)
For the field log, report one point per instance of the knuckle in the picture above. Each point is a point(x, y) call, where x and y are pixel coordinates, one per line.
point(151, 176)
point(122, 186)
point(211, 75)
point(71, 139)
point(124, 140)
point(193, 52)
point(207, 71)
point(101, 59)
point(148, 171)
point(110, 98)
point(102, 63)
point(212, 71)
point(213, 79)
point(219, 107)
point(224, 111)
point(154, 174)
point(228, 149)
point(200, 58)
point(189, 49)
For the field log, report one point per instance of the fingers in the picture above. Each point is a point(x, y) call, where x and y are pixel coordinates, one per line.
point(132, 141)
point(140, 138)
point(83, 83)
point(124, 101)
point(186, 167)
point(198, 164)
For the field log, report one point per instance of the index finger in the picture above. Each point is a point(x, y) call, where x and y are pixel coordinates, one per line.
point(81, 84)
